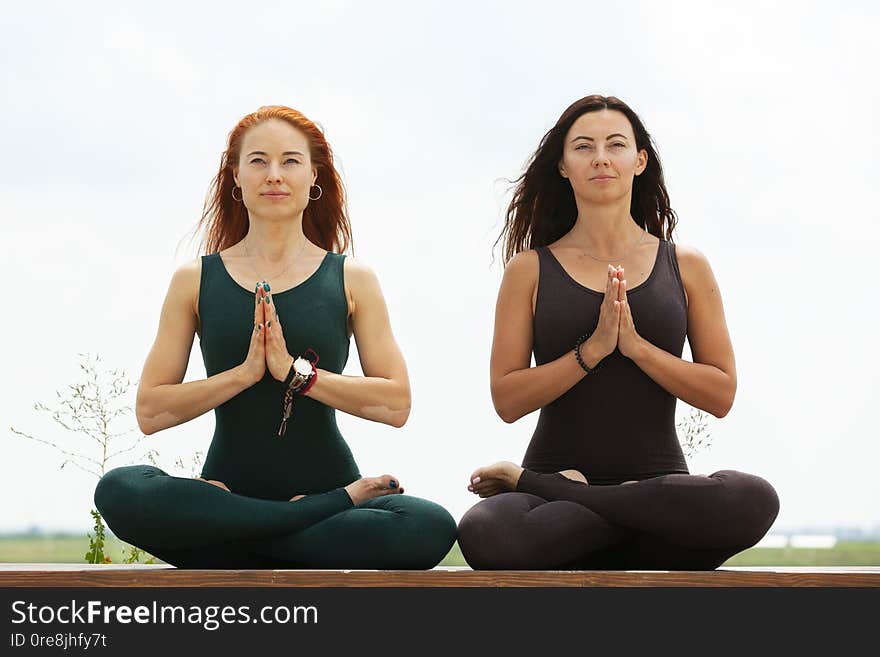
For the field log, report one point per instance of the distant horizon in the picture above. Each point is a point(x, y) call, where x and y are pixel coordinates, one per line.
point(872, 531)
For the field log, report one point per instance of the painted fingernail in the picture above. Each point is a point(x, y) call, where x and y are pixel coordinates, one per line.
point(259, 327)
point(269, 323)
point(268, 299)
point(475, 480)
point(392, 484)
point(266, 287)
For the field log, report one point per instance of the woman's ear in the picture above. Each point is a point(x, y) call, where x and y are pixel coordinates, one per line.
point(314, 175)
point(641, 161)
point(562, 170)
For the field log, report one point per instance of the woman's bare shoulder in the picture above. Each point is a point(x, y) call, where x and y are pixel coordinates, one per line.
point(187, 281)
point(696, 272)
point(691, 260)
point(523, 266)
point(361, 283)
point(359, 277)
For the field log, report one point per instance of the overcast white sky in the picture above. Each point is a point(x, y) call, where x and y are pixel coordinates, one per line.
point(764, 113)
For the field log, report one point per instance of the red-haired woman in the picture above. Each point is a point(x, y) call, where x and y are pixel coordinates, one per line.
point(595, 288)
point(274, 302)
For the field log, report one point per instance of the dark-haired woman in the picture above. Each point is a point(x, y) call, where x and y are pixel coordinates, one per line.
point(274, 303)
point(595, 288)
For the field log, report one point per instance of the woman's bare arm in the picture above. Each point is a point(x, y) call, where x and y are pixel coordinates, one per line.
point(383, 393)
point(518, 388)
point(708, 383)
point(162, 400)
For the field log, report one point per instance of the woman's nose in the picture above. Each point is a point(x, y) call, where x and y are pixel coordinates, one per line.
point(601, 156)
point(274, 172)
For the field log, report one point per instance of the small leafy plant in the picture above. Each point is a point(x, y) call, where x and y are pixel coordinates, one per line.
point(694, 431)
point(87, 412)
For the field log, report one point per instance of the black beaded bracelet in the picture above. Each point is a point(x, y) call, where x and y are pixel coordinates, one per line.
point(577, 354)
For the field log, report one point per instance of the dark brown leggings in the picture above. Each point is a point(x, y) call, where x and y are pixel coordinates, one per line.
point(671, 522)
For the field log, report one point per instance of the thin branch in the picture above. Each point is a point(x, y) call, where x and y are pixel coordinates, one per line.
point(51, 444)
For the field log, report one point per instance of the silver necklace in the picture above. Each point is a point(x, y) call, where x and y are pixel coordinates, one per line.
point(610, 260)
point(296, 258)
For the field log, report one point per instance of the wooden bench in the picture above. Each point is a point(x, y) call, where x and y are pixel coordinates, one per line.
point(163, 575)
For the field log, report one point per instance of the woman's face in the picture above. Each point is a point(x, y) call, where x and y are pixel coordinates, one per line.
point(599, 156)
point(274, 170)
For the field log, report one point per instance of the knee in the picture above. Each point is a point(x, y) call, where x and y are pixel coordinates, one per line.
point(485, 532)
point(425, 531)
point(756, 501)
point(476, 535)
point(112, 488)
point(435, 531)
point(117, 491)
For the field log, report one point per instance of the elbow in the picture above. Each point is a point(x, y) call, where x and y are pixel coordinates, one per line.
point(400, 413)
point(506, 413)
point(143, 425)
point(142, 416)
point(726, 403)
point(508, 418)
point(399, 418)
point(723, 410)
point(503, 409)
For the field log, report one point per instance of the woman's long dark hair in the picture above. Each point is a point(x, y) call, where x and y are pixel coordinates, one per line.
point(543, 208)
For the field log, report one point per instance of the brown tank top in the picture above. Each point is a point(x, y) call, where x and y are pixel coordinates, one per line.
point(616, 424)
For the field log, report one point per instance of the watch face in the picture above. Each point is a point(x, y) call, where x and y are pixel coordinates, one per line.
point(302, 366)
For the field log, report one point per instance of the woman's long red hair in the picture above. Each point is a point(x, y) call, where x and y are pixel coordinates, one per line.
point(224, 220)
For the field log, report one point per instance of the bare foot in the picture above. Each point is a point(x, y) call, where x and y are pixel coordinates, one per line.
point(367, 488)
point(497, 478)
point(219, 484)
point(574, 475)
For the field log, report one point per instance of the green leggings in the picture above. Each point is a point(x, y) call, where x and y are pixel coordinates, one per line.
point(193, 524)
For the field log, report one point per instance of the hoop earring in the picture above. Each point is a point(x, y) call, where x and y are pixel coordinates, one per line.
point(320, 193)
point(233, 194)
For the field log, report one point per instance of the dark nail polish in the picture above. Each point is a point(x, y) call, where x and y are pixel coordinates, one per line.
point(268, 300)
point(269, 323)
point(393, 484)
point(266, 287)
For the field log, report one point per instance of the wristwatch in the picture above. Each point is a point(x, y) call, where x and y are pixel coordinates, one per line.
point(302, 370)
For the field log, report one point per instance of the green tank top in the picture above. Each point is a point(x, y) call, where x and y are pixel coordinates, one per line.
point(246, 452)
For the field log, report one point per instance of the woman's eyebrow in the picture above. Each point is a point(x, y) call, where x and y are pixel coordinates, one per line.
point(615, 134)
point(284, 153)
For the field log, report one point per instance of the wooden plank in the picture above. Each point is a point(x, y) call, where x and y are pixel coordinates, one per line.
point(161, 575)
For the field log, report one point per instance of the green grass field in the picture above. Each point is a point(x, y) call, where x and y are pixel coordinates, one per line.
point(72, 549)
